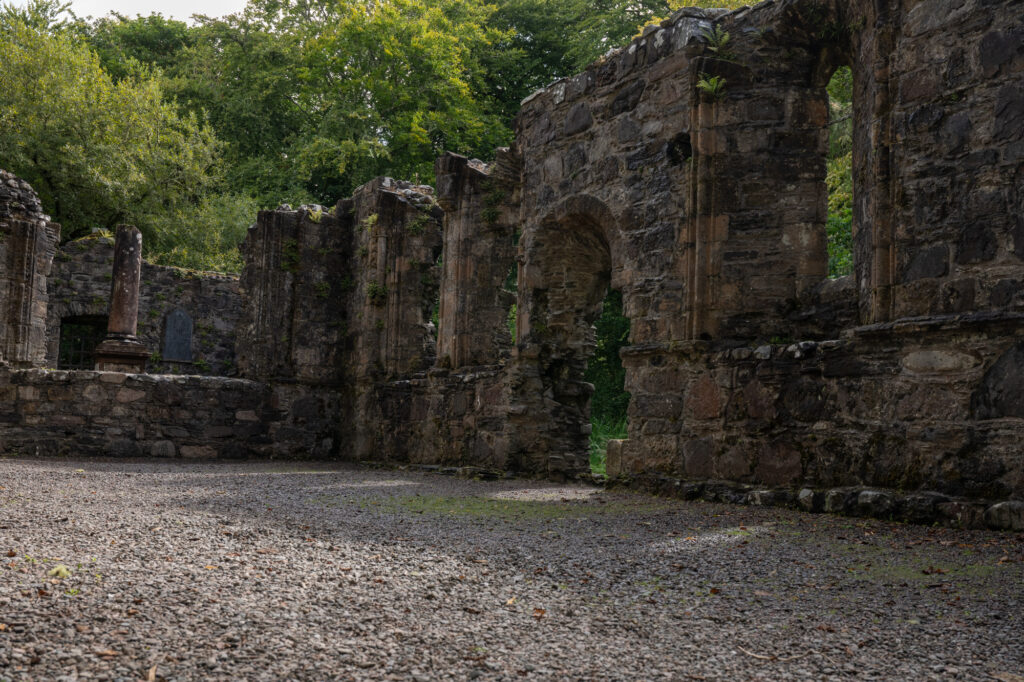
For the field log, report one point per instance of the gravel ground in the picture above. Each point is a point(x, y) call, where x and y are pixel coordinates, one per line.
point(268, 571)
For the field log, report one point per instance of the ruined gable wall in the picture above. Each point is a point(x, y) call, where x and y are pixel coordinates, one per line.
point(79, 285)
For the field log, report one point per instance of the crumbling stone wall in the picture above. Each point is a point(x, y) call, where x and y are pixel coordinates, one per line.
point(27, 243)
point(83, 413)
point(79, 285)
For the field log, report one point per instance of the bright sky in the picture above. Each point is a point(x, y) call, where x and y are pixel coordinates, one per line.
point(178, 9)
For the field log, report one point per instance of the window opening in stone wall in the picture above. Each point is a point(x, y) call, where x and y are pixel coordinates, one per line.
point(79, 337)
point(511, 286)
point(610, 401)
point(839, 175)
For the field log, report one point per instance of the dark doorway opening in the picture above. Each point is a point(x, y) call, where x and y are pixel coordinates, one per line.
point(79, 337)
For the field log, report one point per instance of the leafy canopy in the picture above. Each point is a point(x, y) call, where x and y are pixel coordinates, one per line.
point(97, 152)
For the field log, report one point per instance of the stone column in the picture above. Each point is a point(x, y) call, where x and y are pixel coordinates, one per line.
point(121, 351)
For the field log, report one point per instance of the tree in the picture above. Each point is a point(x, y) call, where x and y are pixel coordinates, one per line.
point(122, 43)
point(41, 15)
point(97, 152)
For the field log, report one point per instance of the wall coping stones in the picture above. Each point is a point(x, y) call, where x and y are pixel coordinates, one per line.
point(915, 325)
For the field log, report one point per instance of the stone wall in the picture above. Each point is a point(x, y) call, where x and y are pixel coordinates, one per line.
point(83, 413)
point(27, 243)
point(79, 285)
point(938, 155)
point(933, 404)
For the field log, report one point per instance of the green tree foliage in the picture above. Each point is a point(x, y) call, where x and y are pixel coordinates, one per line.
point(123, 44)
point(40, 15)
point(98, 152)
point(839, 177)
point(316, 97)
point(604, 369)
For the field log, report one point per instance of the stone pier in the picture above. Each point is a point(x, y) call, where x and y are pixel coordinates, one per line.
point(121, 351)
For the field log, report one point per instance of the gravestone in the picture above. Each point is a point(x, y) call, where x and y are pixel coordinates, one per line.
point(178, 337)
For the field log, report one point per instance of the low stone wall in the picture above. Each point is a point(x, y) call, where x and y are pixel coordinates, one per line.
point(928, 404)
point(84, 413)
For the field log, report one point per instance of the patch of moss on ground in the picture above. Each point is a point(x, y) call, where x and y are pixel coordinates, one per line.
point(509, 510)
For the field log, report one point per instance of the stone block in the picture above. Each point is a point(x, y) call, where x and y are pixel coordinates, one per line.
point(198, 451)
point(1007, 515)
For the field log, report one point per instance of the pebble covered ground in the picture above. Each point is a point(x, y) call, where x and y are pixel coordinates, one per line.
point(160, 570)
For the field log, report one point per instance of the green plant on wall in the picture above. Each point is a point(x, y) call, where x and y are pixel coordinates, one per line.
point(369, 222)
point(712, 86)
point(290, 255)
point(377, 294)
point(417, 225)
point(717, 38)
point(494, 196)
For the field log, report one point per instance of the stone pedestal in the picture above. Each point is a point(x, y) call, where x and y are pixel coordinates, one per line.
point(121, 355)
point(121, 351)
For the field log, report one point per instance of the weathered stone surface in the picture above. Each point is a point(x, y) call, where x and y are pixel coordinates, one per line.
point(205, 421)
point(1006, 515)
point(28, 241)
point(1001, 392)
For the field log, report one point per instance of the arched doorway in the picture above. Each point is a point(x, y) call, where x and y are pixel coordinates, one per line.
point(566, 269)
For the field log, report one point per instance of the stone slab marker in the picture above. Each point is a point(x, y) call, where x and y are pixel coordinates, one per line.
point(121, 351)
point(178, 337)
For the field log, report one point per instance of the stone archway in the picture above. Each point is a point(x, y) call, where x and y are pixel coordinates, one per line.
point(566, 267)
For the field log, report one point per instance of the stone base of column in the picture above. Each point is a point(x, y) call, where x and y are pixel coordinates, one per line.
point(120, 354)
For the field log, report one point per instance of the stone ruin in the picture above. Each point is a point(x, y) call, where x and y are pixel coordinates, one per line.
point(896, 391)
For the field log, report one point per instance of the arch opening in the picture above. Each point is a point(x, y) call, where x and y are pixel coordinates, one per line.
point(574, 325)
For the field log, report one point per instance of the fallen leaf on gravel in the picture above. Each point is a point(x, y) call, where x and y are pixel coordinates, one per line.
point(510, 602)
point(539, 613)
point(107, 653)
point(3, 626)
point(151, 674)
point(210, 567)
point(715, 590)
point(12, 553)
point(43, 593)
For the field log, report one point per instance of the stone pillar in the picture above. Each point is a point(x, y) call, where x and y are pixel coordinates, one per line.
point(121, 351)
point(28, 241)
